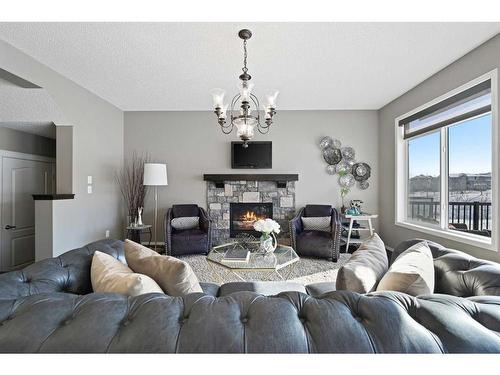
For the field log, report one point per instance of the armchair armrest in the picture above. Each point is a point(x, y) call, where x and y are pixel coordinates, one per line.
point(168, 231)
point(296, 227)
point(204, 220)
point(206, 225)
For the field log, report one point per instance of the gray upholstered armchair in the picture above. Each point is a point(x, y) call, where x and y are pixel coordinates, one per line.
point(316, 243)
point(187, 241)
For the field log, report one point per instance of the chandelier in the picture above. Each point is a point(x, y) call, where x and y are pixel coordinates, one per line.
point(244, 113)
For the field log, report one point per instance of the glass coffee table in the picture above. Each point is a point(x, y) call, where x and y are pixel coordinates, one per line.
point(272, 264)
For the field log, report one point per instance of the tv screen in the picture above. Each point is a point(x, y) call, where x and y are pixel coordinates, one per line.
point(257, 155)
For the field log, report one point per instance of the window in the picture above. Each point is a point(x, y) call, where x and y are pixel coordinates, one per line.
point(445, 154)
point(424, 193)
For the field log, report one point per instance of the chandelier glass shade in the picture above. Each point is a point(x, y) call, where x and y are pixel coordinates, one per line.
point(244, 111)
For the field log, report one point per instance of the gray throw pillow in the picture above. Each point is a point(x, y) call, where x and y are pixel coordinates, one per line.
point(365, 267)
point(187, 222)
point(412, 272)
point(321, 223)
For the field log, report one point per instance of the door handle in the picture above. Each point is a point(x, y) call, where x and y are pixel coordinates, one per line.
point(10, 227)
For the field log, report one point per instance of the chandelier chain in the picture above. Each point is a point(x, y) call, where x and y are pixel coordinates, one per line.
point(245, 56)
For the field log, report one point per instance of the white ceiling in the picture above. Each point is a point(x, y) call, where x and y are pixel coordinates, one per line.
point(173, 66)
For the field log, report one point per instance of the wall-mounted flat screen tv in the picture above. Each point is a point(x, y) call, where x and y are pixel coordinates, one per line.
point(258, 155)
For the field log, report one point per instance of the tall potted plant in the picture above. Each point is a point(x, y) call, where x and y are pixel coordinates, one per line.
point(130, 179)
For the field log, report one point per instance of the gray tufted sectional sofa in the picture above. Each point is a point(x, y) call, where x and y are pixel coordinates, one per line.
point(49, 307)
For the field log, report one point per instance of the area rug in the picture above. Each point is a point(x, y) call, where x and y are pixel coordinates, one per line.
point(307, 271)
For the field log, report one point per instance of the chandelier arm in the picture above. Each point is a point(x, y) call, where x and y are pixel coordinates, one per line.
point(263, 130)
point(230, 126)
point(233, 103)
point(255, 101)
point(226, 125)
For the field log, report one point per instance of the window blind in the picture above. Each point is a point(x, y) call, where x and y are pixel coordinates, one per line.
point(473, 102)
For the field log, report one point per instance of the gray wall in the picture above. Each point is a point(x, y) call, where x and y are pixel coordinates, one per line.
point(14, 140)
point(97, 151)
point(192, 144)
point(481, 60)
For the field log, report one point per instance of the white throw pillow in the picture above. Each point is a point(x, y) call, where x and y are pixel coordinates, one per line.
point(412, 272)
point(174, 276)
point(364, 269)
point(109, 275)
point(186, 222)
point(321, 223)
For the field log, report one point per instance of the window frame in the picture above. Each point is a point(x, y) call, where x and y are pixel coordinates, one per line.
point(402, 169)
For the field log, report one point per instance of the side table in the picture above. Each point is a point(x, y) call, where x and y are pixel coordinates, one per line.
point(134, 233)
point(363, 217)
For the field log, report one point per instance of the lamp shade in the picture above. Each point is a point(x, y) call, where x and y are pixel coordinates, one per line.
point(155, 174)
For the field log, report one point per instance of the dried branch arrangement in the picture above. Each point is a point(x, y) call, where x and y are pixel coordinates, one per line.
point(130, 179)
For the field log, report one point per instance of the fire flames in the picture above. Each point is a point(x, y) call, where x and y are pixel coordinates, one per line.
point(251, 216)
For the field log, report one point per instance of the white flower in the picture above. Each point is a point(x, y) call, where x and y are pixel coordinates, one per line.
point(267, 226)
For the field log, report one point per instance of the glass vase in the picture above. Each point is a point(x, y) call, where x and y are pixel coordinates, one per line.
point(268, 243)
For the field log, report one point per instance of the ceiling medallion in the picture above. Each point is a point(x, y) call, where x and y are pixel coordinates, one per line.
point(244, 113)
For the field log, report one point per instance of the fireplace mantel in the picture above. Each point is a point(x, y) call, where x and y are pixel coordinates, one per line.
point(280, 179)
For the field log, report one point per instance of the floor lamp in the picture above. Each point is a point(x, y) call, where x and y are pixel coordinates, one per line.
point(155, 174)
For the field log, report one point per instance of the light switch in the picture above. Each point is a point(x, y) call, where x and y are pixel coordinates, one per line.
point(89, 180)
point(89, 189)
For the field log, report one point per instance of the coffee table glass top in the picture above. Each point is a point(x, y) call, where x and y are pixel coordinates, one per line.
point(283, 256)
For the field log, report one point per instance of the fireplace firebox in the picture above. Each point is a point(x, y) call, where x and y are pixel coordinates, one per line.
point(243, 215)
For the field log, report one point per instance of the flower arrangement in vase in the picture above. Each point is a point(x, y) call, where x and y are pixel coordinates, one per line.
point(269, 229)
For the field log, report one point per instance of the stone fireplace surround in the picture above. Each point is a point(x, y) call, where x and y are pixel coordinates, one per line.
point(251, 189)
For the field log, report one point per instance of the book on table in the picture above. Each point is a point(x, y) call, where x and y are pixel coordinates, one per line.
point(236, 255)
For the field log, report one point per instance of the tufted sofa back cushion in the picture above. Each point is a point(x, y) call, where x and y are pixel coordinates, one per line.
point(246, 322)
point(68, 273)
point(458, 273)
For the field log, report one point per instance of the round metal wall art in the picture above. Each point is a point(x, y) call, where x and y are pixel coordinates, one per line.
point(348, 153)
point(332, 155)
point(330, 169)
point(347, 181)
point(326, 142)
point(350, 163)
point(341, 160)
point(363, 185)
point(361, 171)
point(342, 167)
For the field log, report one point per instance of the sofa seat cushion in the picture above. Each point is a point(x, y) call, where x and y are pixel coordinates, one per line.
point(318, 289)
point(310, 240)
point(189, 241)
point(174, 276)
point(190, 234)
point(267, 288)
point(109, 275)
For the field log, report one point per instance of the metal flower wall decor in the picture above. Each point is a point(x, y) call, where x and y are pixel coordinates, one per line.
point(341, 161)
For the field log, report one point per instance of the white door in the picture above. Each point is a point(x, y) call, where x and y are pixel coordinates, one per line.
point(20, 179)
